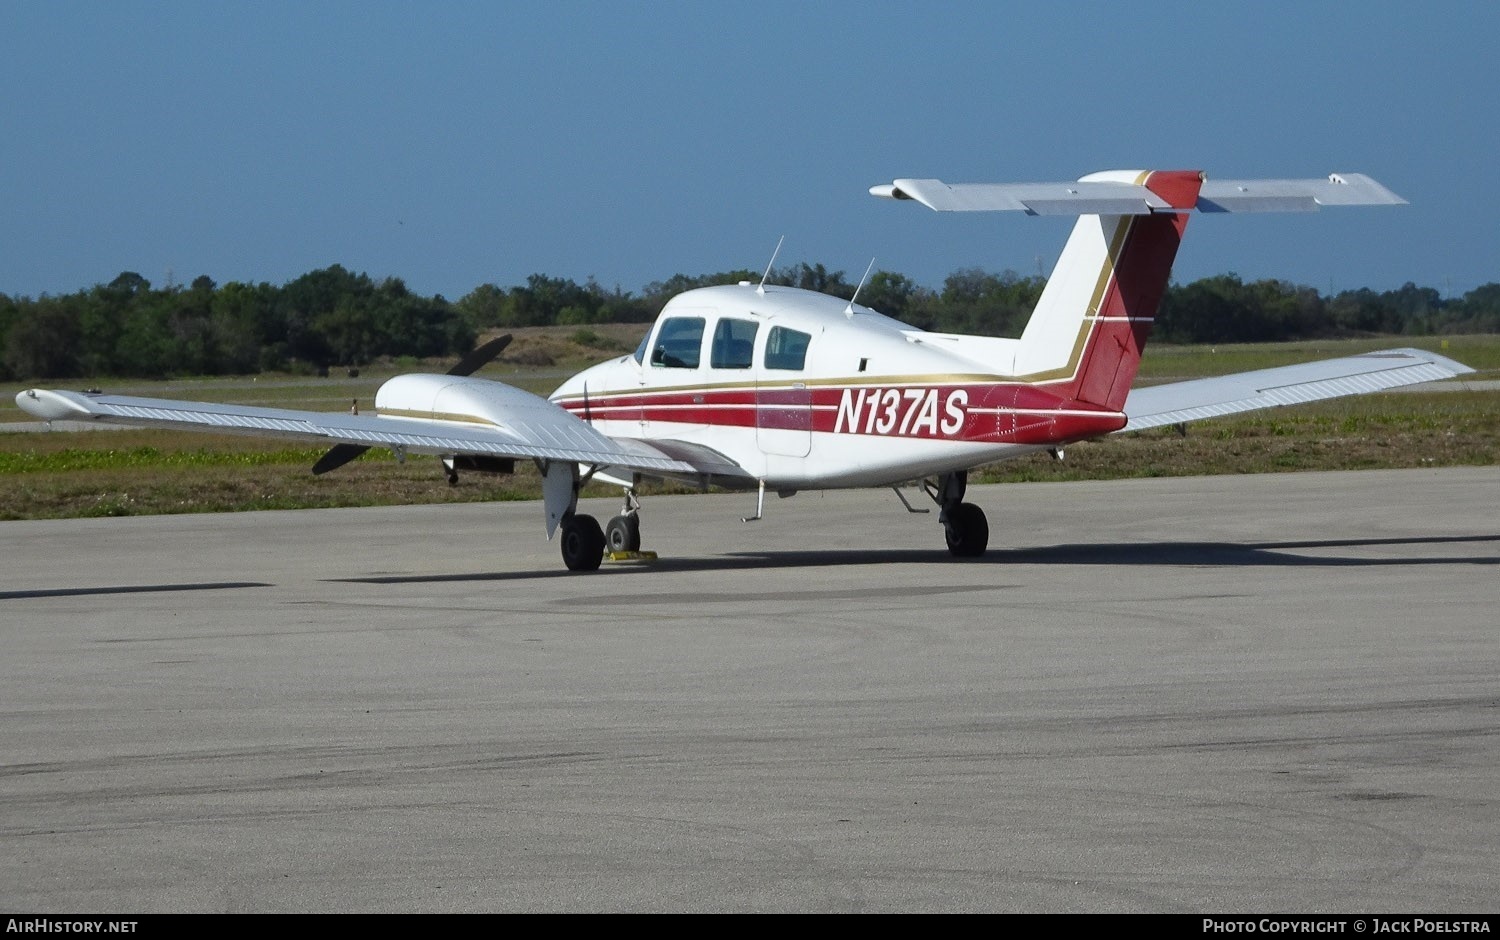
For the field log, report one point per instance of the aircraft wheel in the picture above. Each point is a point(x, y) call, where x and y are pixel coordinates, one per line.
point(582, 543)
point(623, 534)
point(967, 531)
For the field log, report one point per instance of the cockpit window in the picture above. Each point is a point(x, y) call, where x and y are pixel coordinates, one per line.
point(734, 344)
point(786, 349)
point(640, 351)
point(679, 343)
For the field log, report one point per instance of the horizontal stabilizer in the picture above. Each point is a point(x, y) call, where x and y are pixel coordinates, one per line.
point(1113, 193)
point(1158, 405)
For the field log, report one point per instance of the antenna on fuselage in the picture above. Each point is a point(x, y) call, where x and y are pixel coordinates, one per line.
point(849, 310)
point(761, 289)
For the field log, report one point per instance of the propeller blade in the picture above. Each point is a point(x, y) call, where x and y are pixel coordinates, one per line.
point(480, 357)
point(337, 456)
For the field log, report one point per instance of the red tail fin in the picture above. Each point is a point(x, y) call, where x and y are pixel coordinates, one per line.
point(1133, 292)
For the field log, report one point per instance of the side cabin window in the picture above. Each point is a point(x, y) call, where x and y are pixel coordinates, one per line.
point(679, 343)
point(734, 344)
point(786, 349)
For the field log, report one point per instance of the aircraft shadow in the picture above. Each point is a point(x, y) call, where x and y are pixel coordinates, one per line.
point(129, 589)
point(1166, 554)
point(1248, 554)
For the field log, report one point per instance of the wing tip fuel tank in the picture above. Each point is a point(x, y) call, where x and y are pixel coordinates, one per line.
point(51, 405)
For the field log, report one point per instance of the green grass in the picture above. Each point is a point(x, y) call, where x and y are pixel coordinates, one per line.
point(69, 459)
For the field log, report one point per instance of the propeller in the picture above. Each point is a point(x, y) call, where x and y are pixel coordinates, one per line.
point(340, 454)
point(481, 356)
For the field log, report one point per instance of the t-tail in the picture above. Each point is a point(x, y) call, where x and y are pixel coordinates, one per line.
point(1092, 321)
point(1085, 338)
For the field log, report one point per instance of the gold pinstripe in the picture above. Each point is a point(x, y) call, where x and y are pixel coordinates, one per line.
point(436, 416)
point(1106, 272)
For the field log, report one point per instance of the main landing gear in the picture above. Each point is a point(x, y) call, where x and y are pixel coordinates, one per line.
point(966, 531)
point(623, 534)
point(584, 543)
point(964, 526)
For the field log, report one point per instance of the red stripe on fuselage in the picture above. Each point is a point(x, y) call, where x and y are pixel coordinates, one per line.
point(1006, 413)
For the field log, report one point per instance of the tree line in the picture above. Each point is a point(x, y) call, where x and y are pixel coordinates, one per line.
point(333, 317)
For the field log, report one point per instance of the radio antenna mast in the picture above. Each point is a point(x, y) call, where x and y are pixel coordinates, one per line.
point(849, 310)
point(762, 288)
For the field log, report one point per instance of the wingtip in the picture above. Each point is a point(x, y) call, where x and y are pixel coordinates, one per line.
point(49, 405)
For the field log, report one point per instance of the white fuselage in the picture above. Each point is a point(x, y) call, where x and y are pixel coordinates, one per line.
point(801, 390)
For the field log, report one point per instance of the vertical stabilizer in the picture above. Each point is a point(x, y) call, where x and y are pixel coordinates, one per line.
point(1091, 323)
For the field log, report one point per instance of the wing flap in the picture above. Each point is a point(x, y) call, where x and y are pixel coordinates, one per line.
point(705, 461)
point(1178, 402)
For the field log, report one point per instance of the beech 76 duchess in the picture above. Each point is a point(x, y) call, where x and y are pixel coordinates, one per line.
point(757, 387)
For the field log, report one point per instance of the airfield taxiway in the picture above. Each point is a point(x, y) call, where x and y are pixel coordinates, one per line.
point(1228, 694)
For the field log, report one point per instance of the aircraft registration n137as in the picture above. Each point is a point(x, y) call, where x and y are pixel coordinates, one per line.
point(757, 387)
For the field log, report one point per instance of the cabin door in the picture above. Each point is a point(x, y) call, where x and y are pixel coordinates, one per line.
point(783, 402)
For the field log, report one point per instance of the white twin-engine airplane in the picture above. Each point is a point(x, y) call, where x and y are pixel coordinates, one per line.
point(757, 387)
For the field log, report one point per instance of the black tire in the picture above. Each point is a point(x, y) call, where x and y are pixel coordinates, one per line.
point(623, 534)
point(582, 543)
point(967, 531)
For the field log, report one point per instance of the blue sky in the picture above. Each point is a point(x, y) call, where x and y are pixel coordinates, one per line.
point(453, 144)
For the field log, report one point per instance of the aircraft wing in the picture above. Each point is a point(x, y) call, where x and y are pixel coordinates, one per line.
point(532, 428)
point(1175, 403)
